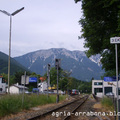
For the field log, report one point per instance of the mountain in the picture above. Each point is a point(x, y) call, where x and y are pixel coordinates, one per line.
point(82, 68)
point(15, 66)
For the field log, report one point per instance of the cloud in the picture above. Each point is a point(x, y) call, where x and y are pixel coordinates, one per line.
point(41, 25)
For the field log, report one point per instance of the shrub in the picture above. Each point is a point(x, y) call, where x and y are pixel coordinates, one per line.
point(107, 102)
point(10, 104)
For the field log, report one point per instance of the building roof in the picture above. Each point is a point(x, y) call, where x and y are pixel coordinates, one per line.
point(19, 86)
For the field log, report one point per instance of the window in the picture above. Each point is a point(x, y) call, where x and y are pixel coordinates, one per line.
point(98, 83)
point(98, 90)
point(0, 89)
point(107, 89)
point(3, 80)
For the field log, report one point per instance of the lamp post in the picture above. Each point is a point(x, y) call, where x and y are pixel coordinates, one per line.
point(14, 13)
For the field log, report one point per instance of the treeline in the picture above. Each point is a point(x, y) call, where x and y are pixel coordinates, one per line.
point(66, 82)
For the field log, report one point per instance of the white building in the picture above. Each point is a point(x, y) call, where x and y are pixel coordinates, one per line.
point(42, 86)
point(2, 85)
point(101, 87)
point(17, 89)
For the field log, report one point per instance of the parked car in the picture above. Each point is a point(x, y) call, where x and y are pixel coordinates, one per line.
point(35, 90)
point(49, 92)
point(27, 92)
point(62, 93)
point(110, 94)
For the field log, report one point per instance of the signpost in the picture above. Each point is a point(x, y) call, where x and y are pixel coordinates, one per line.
point(26, 80)
point(116, 40)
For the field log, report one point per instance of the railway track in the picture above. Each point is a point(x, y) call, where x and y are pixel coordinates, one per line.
point(69, 111)
point(64, 112)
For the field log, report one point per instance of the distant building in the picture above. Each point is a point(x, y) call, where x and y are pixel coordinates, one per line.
point(54, 87)
point(17, 89)
point(42, 86)
point(102, 87)
point(2, 85)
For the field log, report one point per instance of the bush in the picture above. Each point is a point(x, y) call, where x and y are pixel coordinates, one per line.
point(10, 104)
point(107, 102)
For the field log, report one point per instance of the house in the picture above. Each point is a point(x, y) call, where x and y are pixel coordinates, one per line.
point(109, 85)
point(17, 89)
point(2, 85)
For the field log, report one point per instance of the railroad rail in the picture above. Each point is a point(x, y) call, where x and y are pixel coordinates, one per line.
point(63, 112)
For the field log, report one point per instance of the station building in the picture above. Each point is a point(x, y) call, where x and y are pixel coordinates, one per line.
point(101, 87)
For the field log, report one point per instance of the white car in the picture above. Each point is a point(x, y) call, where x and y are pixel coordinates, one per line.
point(109, 94)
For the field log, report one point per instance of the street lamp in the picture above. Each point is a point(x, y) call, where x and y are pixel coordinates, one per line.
point(14, 13)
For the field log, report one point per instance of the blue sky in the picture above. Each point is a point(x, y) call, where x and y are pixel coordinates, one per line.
point(43, 24)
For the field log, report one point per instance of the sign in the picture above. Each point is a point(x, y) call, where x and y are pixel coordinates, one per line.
point(32, 79)
point(115, 40)
point(23, 80)
point(109, 79)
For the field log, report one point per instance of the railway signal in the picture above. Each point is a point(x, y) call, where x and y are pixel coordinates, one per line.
point(57, 66)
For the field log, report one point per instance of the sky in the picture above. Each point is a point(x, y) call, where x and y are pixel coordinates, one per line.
point(43, 24)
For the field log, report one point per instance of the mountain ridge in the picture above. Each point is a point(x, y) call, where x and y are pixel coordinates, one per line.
point(75, 61)
point(14, 65)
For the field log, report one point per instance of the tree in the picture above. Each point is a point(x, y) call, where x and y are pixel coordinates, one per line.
point(76, 1)
point(5, 76)
point(63, 84)
point(64, 81)
point(100, 21)
point(53, 76)
point(63, 78)
point(85, 87)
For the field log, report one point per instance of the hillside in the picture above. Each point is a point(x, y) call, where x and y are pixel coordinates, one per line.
point(15, 66)
point(82, 68)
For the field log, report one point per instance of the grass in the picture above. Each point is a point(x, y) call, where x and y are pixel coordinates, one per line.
point(11, 104)
point(107, 103)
